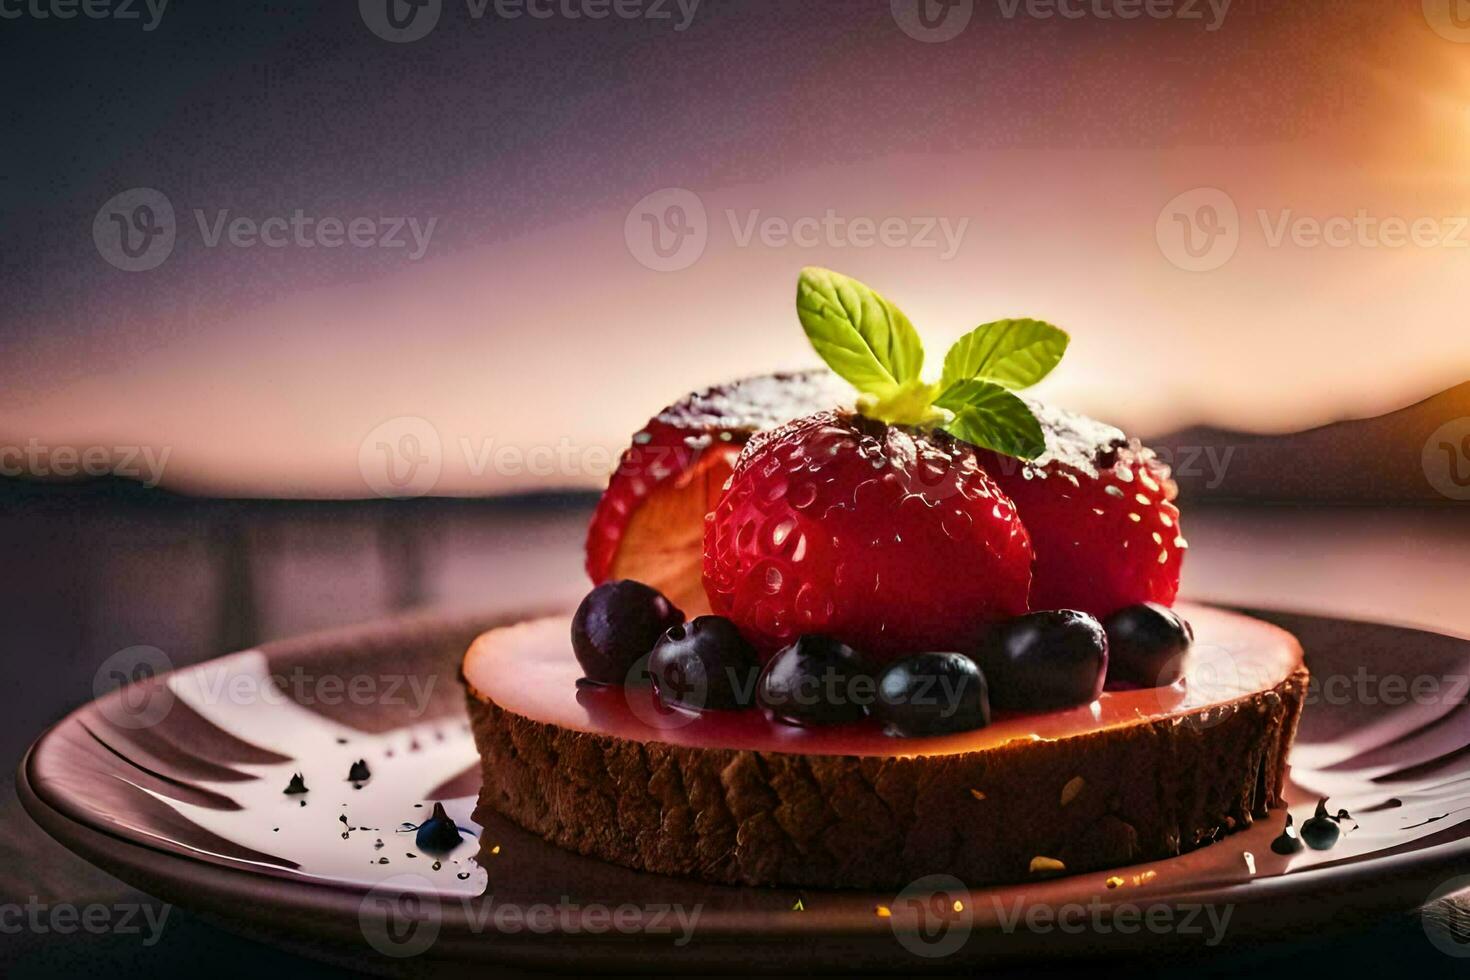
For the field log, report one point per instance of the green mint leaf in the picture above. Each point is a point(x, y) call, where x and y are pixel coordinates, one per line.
point(1010, 353)
point(863, 337)
point(988, 415)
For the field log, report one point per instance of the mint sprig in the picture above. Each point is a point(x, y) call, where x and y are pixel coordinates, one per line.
point(870, 343)
point(863, 337)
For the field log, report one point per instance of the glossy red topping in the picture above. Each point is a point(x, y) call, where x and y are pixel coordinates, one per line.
point(528, 669)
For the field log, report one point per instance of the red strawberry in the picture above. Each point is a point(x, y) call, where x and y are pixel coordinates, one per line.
point(649, 524)
point(1099, 508)
point(890, 539)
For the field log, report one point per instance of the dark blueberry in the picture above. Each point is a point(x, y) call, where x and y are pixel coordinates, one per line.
point(437, 834)
point(1289, 842)
point(704, 664)
point(1045, 660)
point(816, 681)
point(358, 772)
point(295, 785)
point(616, 626)
point(1321, 831)
point(932, 694)
point(1147, 644)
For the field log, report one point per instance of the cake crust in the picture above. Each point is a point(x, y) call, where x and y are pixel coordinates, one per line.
point(1136, 792)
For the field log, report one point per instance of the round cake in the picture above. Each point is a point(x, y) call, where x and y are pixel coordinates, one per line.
point(852, 636)
point(738, 798)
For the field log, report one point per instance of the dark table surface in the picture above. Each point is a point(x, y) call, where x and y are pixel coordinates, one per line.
point(88, 571)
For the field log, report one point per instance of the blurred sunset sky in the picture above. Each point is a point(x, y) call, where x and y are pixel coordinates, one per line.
point(1061, 153)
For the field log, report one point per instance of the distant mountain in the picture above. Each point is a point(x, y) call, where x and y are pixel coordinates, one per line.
point(1419, 454)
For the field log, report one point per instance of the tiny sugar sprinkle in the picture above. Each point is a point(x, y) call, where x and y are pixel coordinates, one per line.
point(883, 912)
point(1115, 881)
point(1250, 862)
point(798, 907)
point(977, 794)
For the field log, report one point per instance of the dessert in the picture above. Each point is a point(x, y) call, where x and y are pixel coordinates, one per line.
point(839, 641)
point(736, 796)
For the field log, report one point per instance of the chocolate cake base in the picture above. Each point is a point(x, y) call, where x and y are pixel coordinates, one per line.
point(1084, 802)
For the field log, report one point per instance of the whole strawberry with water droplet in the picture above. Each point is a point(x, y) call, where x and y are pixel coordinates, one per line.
point(889, 538)
point(881, 527)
